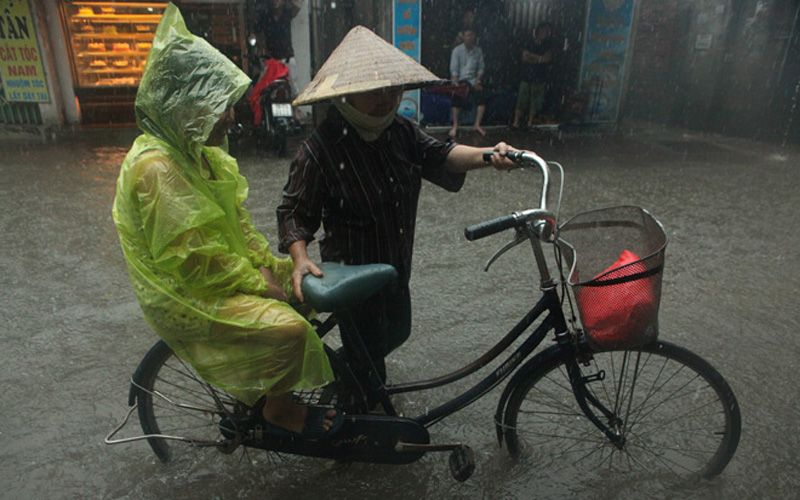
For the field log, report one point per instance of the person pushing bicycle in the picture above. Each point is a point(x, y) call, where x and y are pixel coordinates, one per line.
point(359, 176)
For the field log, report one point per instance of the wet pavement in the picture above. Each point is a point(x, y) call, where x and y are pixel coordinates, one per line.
point(73, 333)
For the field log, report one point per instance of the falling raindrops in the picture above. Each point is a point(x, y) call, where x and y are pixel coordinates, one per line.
point(791, 114)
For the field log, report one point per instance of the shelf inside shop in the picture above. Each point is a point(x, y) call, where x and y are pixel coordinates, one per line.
point(106, 71)
point(121, 36)
point(137, 5)
point(113, 54)
point(118, 19)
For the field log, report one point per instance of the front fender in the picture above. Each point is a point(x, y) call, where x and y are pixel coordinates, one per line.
point(518, 378)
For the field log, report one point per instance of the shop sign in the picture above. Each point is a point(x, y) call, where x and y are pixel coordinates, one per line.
point(21, 69)
point(407, 15)
point(604, 55)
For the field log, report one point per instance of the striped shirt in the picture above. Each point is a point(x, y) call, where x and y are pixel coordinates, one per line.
point(364, 194)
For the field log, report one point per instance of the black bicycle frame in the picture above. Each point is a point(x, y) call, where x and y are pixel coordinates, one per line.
point(549, 303)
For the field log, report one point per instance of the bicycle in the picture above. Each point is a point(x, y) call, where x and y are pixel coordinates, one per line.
point(605, 396)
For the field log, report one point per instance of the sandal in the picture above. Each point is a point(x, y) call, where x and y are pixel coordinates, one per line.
point(313, 428)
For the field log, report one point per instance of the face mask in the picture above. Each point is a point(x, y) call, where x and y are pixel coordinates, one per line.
point(368, 127)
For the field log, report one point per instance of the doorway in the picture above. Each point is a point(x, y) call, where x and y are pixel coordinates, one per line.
point(501, 27)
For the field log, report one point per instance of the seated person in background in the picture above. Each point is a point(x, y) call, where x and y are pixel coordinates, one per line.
point(204, 276)
point(466, 68)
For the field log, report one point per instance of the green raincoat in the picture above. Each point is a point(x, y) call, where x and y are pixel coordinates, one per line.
point(193, 254)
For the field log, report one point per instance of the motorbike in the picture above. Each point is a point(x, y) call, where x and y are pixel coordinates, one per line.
point(269, 103)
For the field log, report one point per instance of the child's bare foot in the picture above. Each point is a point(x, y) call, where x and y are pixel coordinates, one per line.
point(478, 129)
point(283, 412)
point(453, 132)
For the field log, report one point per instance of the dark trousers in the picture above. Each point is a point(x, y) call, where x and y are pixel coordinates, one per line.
point(384, 323)
point(474, 97)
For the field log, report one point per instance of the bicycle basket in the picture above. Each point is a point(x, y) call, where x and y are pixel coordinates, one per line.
point(618, 305)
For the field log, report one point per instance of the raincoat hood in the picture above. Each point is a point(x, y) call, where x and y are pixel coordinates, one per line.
point(186, 86)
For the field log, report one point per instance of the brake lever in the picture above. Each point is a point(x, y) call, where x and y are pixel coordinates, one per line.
point(518, 238)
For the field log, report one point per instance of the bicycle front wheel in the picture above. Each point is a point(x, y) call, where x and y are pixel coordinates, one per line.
point(676, 415)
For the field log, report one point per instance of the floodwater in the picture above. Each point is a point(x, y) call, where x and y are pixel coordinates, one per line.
point(73, 333)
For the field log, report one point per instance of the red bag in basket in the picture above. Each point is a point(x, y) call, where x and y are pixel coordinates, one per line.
point(618, 313)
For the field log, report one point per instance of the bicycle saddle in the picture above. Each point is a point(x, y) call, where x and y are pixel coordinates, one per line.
point(342, 286)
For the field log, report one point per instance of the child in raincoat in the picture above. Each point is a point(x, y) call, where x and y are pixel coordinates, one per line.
point(204, 276)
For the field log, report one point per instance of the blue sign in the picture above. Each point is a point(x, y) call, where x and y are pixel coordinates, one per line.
point(604, 55)
point(407, 27)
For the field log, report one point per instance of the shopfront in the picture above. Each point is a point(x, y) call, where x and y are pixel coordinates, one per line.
point(106, 45)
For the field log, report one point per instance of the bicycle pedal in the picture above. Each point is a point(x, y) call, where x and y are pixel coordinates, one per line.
point(599, 376)
point(462, 463)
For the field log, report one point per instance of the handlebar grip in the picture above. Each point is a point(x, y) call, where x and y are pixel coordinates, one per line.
point(490, 227)
point(511, 155)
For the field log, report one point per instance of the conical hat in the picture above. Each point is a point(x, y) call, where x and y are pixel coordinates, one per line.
point(362, 62)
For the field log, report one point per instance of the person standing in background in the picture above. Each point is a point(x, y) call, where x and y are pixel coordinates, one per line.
point(467, 22)
point(537, 54)
point(274, 35)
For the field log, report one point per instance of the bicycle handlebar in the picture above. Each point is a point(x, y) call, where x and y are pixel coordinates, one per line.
point(546, 219)
point(489, 227)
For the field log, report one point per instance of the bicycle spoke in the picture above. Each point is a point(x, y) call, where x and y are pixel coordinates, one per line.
point(653, 389)
point(683, 451)
point(675, 417)
point(660, 458)
point(687, 415)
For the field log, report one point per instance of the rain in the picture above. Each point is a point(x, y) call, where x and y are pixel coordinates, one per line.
point(694, 118)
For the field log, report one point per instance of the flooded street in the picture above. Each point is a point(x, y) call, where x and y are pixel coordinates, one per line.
point(73, 332)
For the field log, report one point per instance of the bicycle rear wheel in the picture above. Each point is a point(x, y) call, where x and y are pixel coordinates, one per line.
point(678, 417)
point(175, 404)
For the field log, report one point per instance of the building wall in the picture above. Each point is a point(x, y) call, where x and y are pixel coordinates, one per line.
point(723, 66)
point(301, 41)
point(748, 99)
point(43, 115)
point(652, 81)
point(61, 70)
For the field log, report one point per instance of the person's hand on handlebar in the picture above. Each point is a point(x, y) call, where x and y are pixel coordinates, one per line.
point(464, 158)
point(498, 159)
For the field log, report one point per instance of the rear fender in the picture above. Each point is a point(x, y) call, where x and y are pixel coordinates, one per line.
point(136, 378)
